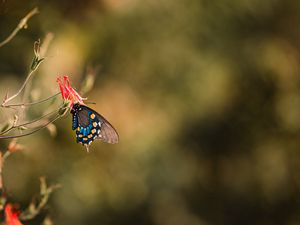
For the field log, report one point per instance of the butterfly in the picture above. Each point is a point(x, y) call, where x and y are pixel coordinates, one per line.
point(90, 125)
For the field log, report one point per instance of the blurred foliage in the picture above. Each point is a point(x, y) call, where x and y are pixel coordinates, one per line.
point(204, 94)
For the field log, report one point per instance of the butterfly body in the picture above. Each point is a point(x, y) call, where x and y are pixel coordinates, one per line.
point(90, 125)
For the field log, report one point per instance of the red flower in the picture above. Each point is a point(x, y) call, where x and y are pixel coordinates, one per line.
point(67, 92)
point(11, 216)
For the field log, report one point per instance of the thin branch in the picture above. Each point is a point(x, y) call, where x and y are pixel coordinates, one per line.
point(35, 208)
point(20, 90)
point(27, 123)
point(35, 120)
point(35, 64)
point(6, 131)
point(40, 50)
point(32, 103)
point(22, 24)
point(32, 132)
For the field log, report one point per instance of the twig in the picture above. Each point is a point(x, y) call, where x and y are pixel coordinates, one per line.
point(32, 132)
point(22, 24)
point(40, 50)
point(35, 64)
point(35, 208)
point(30, 122)
point(32, 103)
point(20, 90)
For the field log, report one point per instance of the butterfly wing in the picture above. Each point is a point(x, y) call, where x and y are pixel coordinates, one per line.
point(75, 121)
point(90, 125)
point(108, 132)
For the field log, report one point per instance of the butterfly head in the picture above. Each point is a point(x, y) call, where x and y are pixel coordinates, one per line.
point(76, 108)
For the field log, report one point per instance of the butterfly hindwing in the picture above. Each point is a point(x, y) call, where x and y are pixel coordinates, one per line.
point(90, 125)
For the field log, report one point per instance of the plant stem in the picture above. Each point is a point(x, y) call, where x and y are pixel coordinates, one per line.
point(20, 90)
point(32, 132)
point(22, 24)
point(27, 123)
point(32, 103)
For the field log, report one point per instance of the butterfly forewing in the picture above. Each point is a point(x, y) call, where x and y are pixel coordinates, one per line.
point(90, 125)
point(83, 118)
point(108, 132)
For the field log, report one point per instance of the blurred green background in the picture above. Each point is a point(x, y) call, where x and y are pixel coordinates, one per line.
point(205, 96)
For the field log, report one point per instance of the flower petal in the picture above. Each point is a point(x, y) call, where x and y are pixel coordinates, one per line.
point(11, 217)
point(67, 92)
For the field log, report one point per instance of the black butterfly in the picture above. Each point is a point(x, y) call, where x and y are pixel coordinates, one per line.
point(90, 125)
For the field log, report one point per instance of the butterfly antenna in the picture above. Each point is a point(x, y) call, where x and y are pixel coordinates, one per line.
point(91, 103)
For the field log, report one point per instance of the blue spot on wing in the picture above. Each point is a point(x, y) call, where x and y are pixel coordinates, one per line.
point(88, 132)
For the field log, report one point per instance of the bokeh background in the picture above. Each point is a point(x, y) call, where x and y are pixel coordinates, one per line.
point(205, 96)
